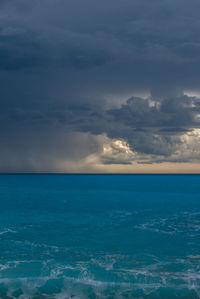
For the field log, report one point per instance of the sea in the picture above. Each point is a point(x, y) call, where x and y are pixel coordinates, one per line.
point(99, 236)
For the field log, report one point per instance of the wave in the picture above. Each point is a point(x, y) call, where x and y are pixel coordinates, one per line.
point(47, 287)
point(6, 231)
point(185, 222)
point(54, 281)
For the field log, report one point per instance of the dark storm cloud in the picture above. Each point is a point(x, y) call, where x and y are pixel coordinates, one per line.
point(149, 127)
point(61, 61)
point(152, 127)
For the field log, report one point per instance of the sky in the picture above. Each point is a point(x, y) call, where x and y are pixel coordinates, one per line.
point(100, 86)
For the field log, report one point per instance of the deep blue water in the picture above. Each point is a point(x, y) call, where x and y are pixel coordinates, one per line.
point(100, 236)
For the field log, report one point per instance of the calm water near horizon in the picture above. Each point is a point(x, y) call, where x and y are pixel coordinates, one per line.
point(100, 236)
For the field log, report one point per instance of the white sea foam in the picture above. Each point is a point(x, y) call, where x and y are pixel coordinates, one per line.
point(183, 222)
point(78, 288)
point(6, 231)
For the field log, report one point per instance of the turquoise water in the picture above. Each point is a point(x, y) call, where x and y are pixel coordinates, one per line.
point(100, 236)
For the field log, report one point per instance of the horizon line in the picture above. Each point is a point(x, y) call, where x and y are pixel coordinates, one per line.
point(96, 173)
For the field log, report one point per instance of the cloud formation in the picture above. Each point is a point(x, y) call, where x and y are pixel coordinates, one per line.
point(109, 82)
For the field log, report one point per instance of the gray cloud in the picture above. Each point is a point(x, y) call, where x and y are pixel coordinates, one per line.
point(149, 127)
point(63, 63)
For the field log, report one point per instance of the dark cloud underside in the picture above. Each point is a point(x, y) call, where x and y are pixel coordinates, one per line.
point(76, 76)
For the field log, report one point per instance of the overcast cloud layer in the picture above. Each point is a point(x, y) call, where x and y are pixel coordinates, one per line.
point(87, 83)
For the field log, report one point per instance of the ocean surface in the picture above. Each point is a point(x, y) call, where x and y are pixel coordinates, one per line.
point(100, 236)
